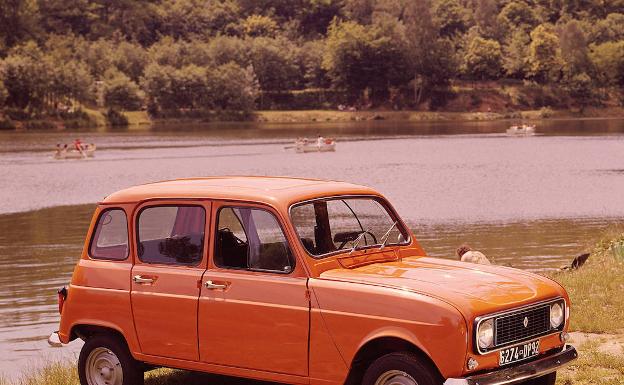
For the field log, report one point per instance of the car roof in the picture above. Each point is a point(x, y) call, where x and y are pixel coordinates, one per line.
point(275, 191)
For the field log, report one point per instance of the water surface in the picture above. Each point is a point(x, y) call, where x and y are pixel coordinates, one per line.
point(532, 203)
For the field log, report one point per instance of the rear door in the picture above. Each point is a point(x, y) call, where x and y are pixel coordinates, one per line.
point(254, 307)
point(169, 262)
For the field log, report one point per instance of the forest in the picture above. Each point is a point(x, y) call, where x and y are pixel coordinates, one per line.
point(186, 57)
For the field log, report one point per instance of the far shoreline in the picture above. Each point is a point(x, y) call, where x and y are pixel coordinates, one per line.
point(141, 119)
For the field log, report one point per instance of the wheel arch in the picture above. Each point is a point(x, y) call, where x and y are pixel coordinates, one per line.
point(380, 345)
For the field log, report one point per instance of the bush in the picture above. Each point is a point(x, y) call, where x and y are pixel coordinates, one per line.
point(6, 124)
point(116, 118)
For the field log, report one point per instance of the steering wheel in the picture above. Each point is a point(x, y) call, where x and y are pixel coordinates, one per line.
point(239, 242)
point(343, 244)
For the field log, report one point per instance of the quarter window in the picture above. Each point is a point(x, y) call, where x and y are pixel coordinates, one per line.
point(110, 239)
point(171, 235)
point(249, 238)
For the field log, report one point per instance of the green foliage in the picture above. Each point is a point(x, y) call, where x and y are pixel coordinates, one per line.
point(451, 17)
point(120, 92)
point(4, 94)
point(357, 58)
point(259, 25)
point(608, 59)
point(274, 62)
point(115, 118)
point(574, 52)
point(610, 28)
point(515, 54)
point(233, 88)
point(483, 59)
point(544, 58)
point(56, 55)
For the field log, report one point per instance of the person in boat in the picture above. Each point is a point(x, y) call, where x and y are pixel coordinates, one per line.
point(320, 141)
point(466, 254)
point(78, 145)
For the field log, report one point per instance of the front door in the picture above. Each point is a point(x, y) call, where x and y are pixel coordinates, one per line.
point(253, 308)
point(169, 263)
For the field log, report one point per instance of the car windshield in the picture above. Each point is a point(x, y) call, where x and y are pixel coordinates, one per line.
point(329, 225)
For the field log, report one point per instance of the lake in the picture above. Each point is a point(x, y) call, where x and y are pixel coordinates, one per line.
point(528, 202)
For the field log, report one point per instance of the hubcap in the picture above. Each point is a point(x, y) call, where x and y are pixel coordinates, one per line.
point(103, 368)
point(395, 377)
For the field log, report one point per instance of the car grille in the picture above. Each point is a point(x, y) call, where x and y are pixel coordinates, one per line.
point(511, 328)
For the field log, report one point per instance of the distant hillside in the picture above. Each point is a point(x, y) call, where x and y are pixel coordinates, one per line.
point(182, 57)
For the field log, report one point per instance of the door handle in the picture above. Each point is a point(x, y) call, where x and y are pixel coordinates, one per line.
point(215, 286)
point(143, 280)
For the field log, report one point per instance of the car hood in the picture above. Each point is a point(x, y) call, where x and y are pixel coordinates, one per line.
point(473, 289)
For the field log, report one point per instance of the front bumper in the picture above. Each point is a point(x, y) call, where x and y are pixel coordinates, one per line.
point(54, 340)
point(520, 372)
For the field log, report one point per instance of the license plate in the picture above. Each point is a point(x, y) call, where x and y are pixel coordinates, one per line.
point(518, 353)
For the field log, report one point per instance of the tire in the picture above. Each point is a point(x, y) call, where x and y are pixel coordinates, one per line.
point(106, 360)
point(548, 379)
point(401, 368)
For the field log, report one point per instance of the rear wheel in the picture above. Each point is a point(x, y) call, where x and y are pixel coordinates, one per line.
point(401, 368)
point(106, 360)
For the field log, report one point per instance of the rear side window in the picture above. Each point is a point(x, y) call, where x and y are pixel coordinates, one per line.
point(172, 235)
point(110, 239)
point(251, 239)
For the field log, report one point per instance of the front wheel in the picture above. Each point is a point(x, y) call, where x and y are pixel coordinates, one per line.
point(105, 360)
point(401, 368)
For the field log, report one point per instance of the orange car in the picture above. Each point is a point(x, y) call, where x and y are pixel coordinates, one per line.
point(297, 281)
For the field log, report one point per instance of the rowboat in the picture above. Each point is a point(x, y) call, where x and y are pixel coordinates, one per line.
point(87, 151)
point(521, 130)
point(321, 145)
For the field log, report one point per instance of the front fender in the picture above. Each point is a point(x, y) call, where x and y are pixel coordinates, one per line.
point(356, 314)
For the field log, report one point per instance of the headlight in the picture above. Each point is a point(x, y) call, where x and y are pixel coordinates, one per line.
point(485, 334)
point(556, 315)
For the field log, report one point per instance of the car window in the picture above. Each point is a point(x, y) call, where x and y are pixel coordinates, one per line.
point(334, 224)
point(249, 238)
point(110, 238)
point(171, 234)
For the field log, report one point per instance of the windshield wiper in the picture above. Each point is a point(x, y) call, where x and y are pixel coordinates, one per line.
point(386, 236)
point(357, 240)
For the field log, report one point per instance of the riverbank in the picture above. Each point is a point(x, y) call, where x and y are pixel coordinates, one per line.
point(597, 329)
point(94, 118)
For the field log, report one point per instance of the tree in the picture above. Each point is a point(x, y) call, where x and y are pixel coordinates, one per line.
point(315, 15)
point(25, 77)
point(259, 25)
point(609, 29)
point(485, 17)
point(357, 58)
point(608, 59)
point(518, 14)
point(18, 20)
point(274, 62)
point(515, 54)
point(544, 58)
point(130, 59)
point(483, 59)
point(450, 17)
point(4, 94)
point(225, 49)
point(432, 58)
point(233, 88)
point(183, 19)
point(120, 92)
point(574, 51)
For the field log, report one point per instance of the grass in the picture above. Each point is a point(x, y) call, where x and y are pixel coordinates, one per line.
point(596, 289)
point(593, 367)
